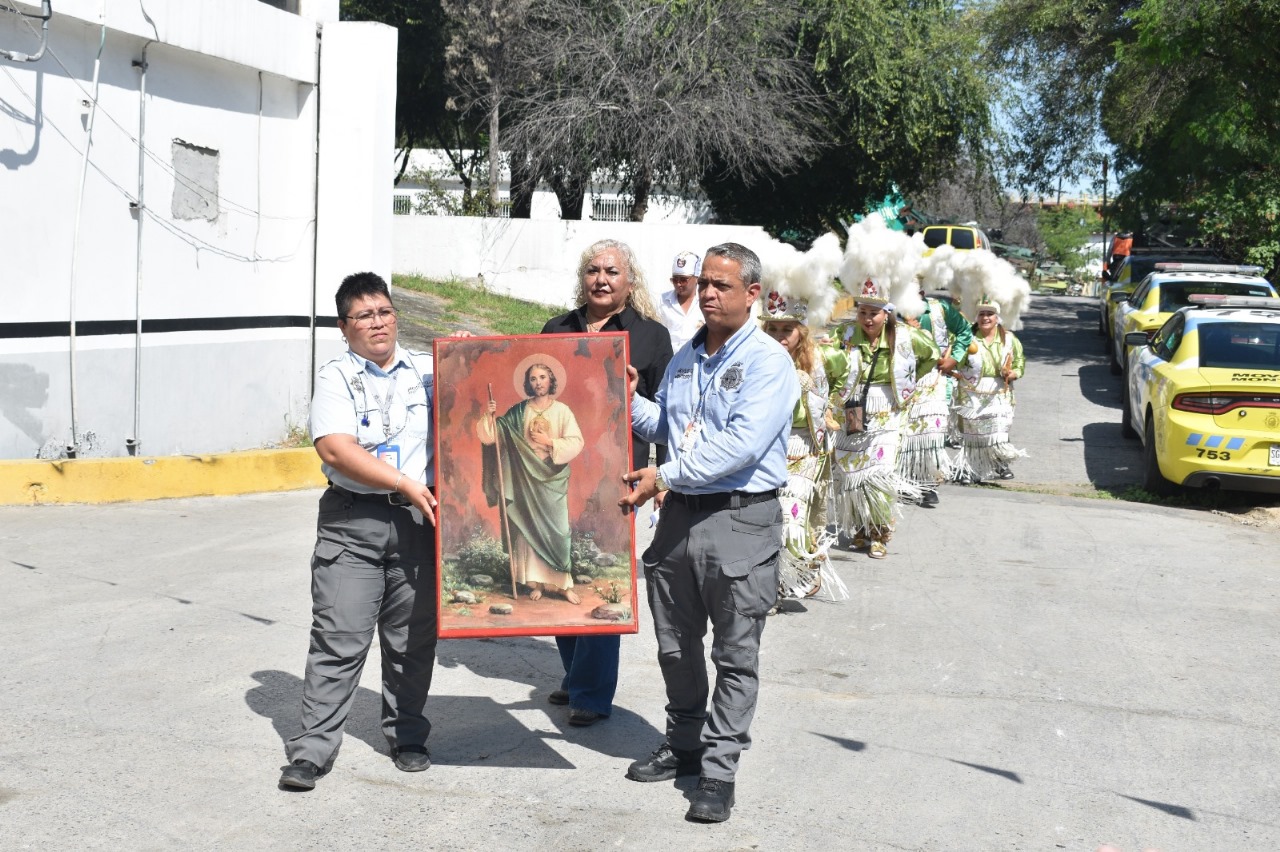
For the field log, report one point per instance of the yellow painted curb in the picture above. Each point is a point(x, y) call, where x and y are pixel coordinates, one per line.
point(123, 479)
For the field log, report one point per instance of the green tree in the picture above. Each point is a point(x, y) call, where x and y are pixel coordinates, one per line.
point(652, 93)
point(1065, 231)
point(1184, 92)
point(902, 98)
point(483, 62)
point(1056, 57)
point(423, 88)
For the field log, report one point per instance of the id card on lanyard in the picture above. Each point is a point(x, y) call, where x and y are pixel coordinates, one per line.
point(389, 453)
point(694, 429)
point(690, 435)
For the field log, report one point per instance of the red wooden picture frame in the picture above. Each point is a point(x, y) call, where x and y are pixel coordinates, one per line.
point(501, 560)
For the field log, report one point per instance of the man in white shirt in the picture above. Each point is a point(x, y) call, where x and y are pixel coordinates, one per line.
point(679, 309)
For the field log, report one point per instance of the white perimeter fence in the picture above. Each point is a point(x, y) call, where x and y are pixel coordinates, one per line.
point(537, 260)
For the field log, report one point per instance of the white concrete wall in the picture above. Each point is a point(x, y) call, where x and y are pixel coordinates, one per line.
point(246, 32)
point(227, 351)
point(538, 260)
point(602, 201)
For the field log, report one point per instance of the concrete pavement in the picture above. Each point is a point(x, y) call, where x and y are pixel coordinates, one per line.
point(1065, 673)
point(1047, 683)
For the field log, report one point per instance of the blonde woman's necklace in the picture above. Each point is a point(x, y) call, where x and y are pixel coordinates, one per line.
point(598, 324)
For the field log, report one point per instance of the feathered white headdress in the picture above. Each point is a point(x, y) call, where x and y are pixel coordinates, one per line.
point(797, 285)
point(880, 267)
point(975, 276)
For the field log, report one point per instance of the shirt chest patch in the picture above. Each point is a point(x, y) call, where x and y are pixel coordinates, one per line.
point(732, 377)
point(684, 373)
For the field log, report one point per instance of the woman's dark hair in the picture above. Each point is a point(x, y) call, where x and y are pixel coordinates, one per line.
point(359, 286)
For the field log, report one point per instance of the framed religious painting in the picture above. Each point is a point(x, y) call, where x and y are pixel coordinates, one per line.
point(533, 434)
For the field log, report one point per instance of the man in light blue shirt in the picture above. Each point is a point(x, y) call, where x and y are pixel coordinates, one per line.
point(371, 423)
point(724, 410)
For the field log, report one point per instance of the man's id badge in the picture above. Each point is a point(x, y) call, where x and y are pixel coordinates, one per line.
point(690, 435)
point(389, 453)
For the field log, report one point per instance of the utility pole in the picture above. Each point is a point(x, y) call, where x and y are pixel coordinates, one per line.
point(1106, 255)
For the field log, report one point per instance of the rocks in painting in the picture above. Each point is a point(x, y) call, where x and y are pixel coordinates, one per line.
point(480, 580)
point(464, 597)
point(612, 612)
point(605, 560)
point(501, 609)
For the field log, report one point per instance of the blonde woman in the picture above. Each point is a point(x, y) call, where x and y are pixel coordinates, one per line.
point(612, 296)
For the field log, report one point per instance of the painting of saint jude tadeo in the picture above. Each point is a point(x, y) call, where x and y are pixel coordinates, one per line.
point(533, 435)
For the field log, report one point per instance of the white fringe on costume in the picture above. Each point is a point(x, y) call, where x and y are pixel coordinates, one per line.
point(865, 479)
point(953, 418)
point(923, 459)
point(985, 414)
point(805, 569)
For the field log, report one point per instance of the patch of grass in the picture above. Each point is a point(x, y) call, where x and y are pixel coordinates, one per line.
point(1198, 498)
point(296, 435)
point(1233, 502)
point(463, 301)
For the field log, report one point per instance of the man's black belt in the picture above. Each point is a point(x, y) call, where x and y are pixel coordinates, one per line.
point(721, 499)
point(395, 498)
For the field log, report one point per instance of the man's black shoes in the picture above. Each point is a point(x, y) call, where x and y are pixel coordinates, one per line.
point(712, 801)
point(560, 696)
point(666, 763)
point(413, 758)
point(929, 499)
point(300, 775)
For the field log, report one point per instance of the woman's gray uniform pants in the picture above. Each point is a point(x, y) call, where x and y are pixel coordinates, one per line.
point(374, 567)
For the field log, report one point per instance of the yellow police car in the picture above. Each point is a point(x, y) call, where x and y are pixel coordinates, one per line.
point(1204, 396)
point(1131, 270)
point(1168, 288)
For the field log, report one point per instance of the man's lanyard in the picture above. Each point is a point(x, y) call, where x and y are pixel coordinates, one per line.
point(703, 388)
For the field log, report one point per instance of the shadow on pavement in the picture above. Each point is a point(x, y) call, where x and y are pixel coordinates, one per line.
point(1110, 459)
point(467, 730)
point(1052, 334)
point(537, 663)
point(1088, 315)
point(1100, 387)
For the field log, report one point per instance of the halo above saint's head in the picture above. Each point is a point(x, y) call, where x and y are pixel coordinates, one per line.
point(554, 364)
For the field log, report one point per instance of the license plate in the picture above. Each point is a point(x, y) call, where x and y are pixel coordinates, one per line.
point(1275, 454)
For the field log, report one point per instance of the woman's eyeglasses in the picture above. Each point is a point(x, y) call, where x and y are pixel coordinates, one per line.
point(364, 319)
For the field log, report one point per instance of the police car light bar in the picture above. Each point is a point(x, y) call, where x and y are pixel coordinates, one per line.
point(1221, 300)
point(1209, 267)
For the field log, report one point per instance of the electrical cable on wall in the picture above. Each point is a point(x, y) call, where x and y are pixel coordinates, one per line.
point(196, 242)
point(46, 12)
point(225, 205)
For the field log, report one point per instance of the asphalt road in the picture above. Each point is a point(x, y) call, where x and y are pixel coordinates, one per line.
point(1026, 671)
point(1068, 415)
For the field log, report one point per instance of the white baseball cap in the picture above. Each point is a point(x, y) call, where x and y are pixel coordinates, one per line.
point(686, 263)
